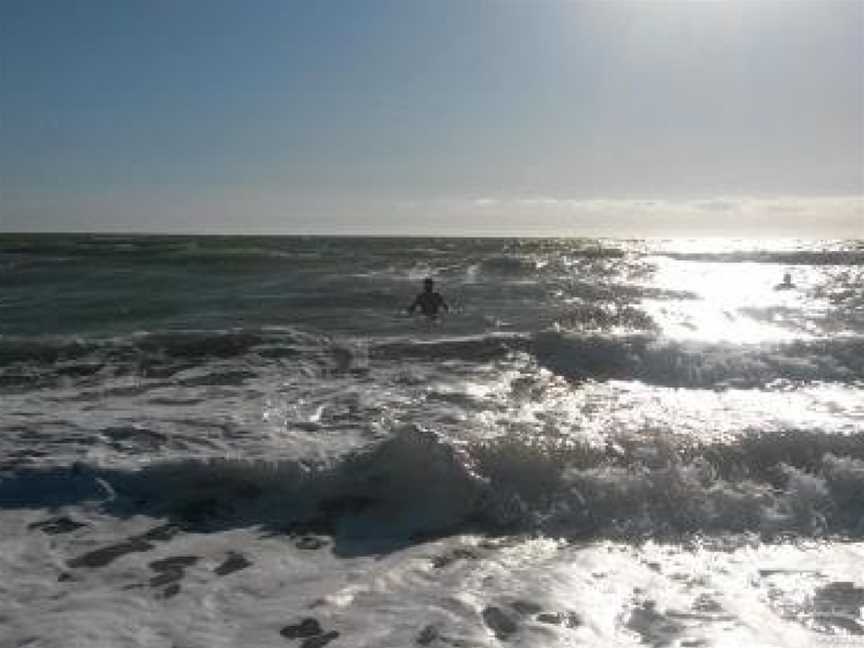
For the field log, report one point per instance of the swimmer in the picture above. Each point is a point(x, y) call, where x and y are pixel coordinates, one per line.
point(429, 301)
point(787, 283)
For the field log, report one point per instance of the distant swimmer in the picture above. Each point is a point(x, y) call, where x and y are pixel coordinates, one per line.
point(787, 283)
point(428, 301)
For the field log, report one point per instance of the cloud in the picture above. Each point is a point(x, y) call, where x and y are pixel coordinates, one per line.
point(485, 202)
point(792, 216)
point(244, 210)
point(719, 205)
point(541, 201)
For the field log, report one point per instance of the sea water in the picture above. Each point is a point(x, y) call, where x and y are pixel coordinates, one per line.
point(244, 441)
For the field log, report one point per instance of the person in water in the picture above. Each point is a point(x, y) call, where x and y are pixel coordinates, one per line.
point(428, 301)
point(787, 283)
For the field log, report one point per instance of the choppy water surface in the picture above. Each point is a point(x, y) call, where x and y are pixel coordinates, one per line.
point(207, 441)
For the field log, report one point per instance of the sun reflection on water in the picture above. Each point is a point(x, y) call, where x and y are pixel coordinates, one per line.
point(734, 302)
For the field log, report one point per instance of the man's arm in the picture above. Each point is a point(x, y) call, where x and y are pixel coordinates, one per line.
point(413, 305)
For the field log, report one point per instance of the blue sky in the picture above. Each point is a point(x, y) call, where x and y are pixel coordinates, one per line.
point(470, 117)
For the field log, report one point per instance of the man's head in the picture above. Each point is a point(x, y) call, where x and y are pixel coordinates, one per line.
point(428, 284)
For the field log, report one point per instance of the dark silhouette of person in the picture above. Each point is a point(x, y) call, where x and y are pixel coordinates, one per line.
point(428, 301)
point(787, 283)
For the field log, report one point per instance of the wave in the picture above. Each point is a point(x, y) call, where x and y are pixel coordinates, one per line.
point(660, 361)
point(649, 358)
point(469, 348)
point(175, 344)
point(44, 361)
point(32, 362)
point(29, 362)
point(159, 250)
point(416, 485)
point(849, 257)
point(510, 264)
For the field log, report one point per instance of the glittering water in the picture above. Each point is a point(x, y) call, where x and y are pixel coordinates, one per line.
point(603, 443)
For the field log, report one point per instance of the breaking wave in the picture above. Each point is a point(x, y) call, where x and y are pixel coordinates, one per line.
point(645, 357)
point(417, 485)
point(660, 361)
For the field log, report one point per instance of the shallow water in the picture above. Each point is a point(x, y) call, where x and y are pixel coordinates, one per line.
point(603, 443)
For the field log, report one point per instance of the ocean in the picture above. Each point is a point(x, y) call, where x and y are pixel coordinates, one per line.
point(246, 441)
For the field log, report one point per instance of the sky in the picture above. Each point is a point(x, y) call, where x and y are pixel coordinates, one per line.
point(433, 117)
